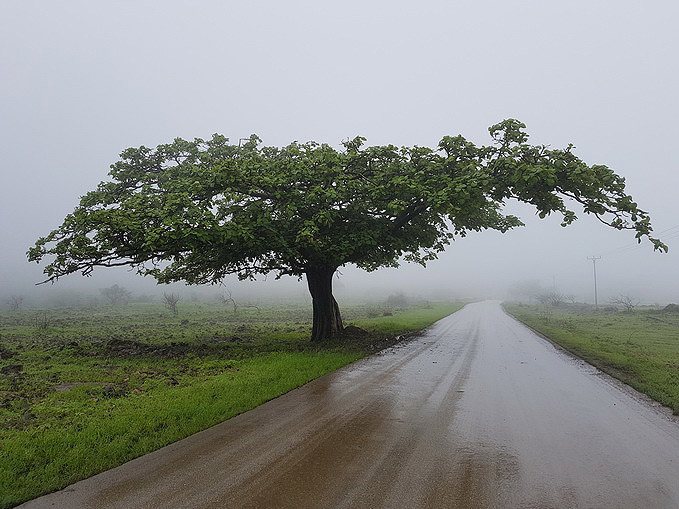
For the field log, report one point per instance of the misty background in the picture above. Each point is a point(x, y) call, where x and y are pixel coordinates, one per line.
point(83, 80)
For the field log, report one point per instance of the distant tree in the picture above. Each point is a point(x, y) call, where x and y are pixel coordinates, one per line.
point(43, 321)
point(209, 208)
point(528, 288)
point(171, 300)
point(542, 298)
point(627, 302)
point(227, 298)
point(115, 295)
point(553, 298)
point(397, 300)
point(15, 302)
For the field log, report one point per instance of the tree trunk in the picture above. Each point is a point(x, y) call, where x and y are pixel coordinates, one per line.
point(327, 319)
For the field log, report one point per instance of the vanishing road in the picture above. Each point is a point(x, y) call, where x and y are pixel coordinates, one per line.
point(478, 412)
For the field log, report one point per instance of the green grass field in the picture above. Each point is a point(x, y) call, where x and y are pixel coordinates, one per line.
point(639, 348)
point(84, 390)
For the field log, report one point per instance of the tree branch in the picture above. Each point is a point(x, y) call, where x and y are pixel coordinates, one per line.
point(408, 215)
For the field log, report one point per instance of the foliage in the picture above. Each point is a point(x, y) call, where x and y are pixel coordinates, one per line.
point(211, 209)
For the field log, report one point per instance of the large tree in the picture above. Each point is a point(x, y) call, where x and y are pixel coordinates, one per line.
point(197, 211)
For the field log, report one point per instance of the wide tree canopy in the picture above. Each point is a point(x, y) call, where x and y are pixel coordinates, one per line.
point(197, 211)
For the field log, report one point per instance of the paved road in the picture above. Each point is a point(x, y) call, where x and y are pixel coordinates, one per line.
point(479, 412)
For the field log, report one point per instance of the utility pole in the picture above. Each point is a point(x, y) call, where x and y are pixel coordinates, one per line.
point(594, 259)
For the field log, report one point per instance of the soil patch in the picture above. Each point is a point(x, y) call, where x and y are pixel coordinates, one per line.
point(5, 353)
point(12, 369)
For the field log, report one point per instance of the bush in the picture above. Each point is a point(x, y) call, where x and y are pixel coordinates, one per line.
point(397, 300)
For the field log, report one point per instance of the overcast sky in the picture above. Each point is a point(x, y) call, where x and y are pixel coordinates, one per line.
point(83, 80)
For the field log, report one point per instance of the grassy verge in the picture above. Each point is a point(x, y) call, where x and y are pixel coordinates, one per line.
point(640, 348)
point(82, 391)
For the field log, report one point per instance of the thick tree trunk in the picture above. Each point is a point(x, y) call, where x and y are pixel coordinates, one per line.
point(327, 319)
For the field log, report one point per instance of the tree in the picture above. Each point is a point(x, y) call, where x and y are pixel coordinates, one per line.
point(228, 299)
point(397, 300)
point(626, 302)
point(200, 210)
point(552, 297)
point(116, 295)
point(530, 288)
point(171, 300)
point(15, 302)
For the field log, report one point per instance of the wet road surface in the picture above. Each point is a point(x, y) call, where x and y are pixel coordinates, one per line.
point(478, 412)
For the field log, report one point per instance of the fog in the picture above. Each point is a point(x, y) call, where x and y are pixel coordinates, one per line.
point(83, 80)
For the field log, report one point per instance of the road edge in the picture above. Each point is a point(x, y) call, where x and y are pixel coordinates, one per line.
point(642, 398)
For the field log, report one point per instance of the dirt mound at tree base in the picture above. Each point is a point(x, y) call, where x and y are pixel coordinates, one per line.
point(355, 337)
point(353, 331)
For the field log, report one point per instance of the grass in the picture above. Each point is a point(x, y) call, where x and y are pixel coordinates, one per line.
point(639, 348)
point(84, 390)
